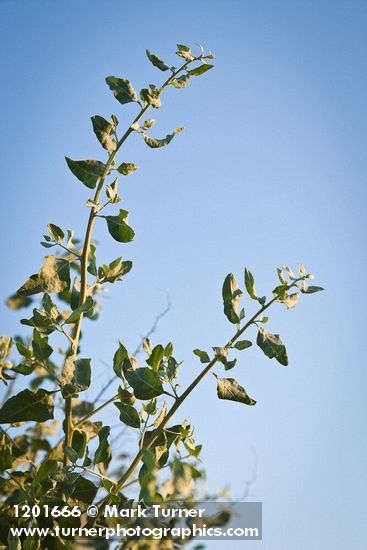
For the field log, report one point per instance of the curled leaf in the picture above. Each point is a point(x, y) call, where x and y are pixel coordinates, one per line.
point(127, 168)
point(231, 298)
point(148, 123)
point(156, 143)
point(151, 97)
point(182, 81)
point(250, 284)
point(102, 128)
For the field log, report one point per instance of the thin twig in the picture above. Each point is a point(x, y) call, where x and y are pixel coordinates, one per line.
point(151, 331)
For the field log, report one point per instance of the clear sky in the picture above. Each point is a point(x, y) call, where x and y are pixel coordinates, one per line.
point(271, 169)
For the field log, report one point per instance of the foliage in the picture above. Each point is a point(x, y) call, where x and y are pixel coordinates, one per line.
point(82, 467)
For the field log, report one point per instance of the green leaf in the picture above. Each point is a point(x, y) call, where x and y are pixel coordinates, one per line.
point(229, 389)
point(281, 291)
point(71, 454)
point(44, 470)
point(228, 365)
point(28, 405)
point(75, 376)
point(312, 289)
point(86, 307)
point(119, 357)
point(102, 128)
point(127, 168)
point(79, 442)
point(126, 397)
point(200, 70)
point(119, 228)
point(114, 271)
point(23, 350)
point(231, 298)
point(92, 269)
point(128, 415)
point(150, 407)
point(183, 48)
point(54, 276)
point(145, 382)
point(103, 452)
point(204, 357)
point(50, 307)
point(242, 344)
point(87, 171)
point(156, 143)
point(56, 233)
point(157, 61)
point(168, 350)
point(41, 349)
point(122, 89)
point(250, 284)
point(172, 368)
point(40, 320)
point(6, 457)
point(272, 346)
point(75, 291)
point(85, 490)
point(156, 357)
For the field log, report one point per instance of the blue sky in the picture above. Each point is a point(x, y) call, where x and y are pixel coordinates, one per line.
point(270, 170)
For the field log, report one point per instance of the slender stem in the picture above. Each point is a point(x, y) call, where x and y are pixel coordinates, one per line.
point(138, 348)
point(101, 476)
point(141, 445)
point(70, 251)
point(95, 411)
point(65, 333)
point(68, 425)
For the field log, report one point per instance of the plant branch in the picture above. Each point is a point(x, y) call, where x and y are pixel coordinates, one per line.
point(68, 426)
point(95, 411)
point(148, 443)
